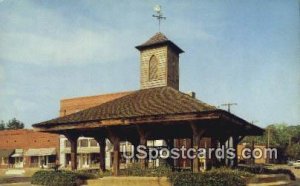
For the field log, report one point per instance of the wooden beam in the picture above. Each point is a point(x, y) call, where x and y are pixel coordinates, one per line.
point(123, 122)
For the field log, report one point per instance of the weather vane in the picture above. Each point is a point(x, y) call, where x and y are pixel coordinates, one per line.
point(158, 15)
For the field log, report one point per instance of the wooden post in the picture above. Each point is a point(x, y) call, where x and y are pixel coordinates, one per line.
point(197, 135)
point(115, 140)
point(196, 140)
point(214, 145)
point(143, 141)
point(116, 154)
point(73, 141)
point(134, 143)
point(102, 145)
point(223, 144)
point(252, 148)
point(235, 142)
point(170, 144)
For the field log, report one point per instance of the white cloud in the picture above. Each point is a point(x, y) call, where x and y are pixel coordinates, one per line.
point(83, 46)
point(37, 35)
point(21, 105)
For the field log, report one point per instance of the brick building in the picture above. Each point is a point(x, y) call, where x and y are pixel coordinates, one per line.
point(27, 148)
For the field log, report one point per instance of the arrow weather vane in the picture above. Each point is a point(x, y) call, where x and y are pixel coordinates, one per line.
point(158, 15)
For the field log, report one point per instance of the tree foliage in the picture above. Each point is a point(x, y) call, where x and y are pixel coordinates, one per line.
point(2, 125)
point(293, 151)
point(281, 136)
point(11, 124)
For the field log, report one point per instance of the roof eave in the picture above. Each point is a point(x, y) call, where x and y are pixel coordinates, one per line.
point(168, 42)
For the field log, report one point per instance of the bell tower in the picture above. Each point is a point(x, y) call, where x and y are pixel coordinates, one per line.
point(159, 60)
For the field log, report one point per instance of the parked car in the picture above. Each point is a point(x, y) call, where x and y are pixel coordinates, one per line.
point(290, 163)
point(296, 164)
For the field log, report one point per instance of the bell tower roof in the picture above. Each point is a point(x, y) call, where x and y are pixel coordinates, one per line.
point(159, 39)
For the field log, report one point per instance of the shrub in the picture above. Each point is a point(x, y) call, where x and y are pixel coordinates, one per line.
point(56, 178)
point(105, 173)
point(136, 170)
point(87, 174)
point(215, 177)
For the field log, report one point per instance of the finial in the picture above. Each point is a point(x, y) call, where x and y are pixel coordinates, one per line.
point(159, 15)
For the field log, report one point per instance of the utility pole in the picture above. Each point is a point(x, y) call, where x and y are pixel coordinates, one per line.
point(268, 137)
point(268, 158)
point(228, 105)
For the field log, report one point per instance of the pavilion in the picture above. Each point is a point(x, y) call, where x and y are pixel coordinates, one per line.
point(157, 111)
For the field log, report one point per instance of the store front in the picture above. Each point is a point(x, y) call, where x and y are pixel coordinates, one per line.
point(5, 159)
point(42, 158)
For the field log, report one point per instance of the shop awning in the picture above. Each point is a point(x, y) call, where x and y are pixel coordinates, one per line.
point(18, 153)
point(5, 153)
point(41, 152)
point(82, 150)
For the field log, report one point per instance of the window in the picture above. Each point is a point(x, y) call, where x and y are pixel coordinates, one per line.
point(93, 143)
point(84, 143)
point(153, 68)
point(67, 144)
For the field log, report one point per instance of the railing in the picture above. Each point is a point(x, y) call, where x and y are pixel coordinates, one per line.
point(94, 165)
point(38, 165)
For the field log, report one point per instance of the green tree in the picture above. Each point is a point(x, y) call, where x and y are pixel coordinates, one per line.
point(15, 124)
point(280, 136)
point(2, 125)
point(293, 151)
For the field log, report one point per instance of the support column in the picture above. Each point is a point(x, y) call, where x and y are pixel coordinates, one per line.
point(252, 148)
point(170, 144)
point(235, 142)
point(143, 141)
point(134, 143)
point(223, 145)
point(196, 137)
point(227, 145)
point(102, 145)
point(214, 144)
point(115, 140)
point(73, 141)
point(116, 155)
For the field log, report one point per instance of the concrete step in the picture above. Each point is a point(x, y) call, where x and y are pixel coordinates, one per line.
point(277, 183)
point(269, 178)
point(15, 172)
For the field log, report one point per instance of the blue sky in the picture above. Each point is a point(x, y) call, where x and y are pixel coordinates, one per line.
point(235, 51)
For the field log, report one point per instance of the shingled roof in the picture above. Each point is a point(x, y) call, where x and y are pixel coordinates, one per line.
point(140, 103)
point(158, 39)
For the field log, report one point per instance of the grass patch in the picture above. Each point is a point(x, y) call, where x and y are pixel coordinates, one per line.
point(5, 180)
point(214, 177)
